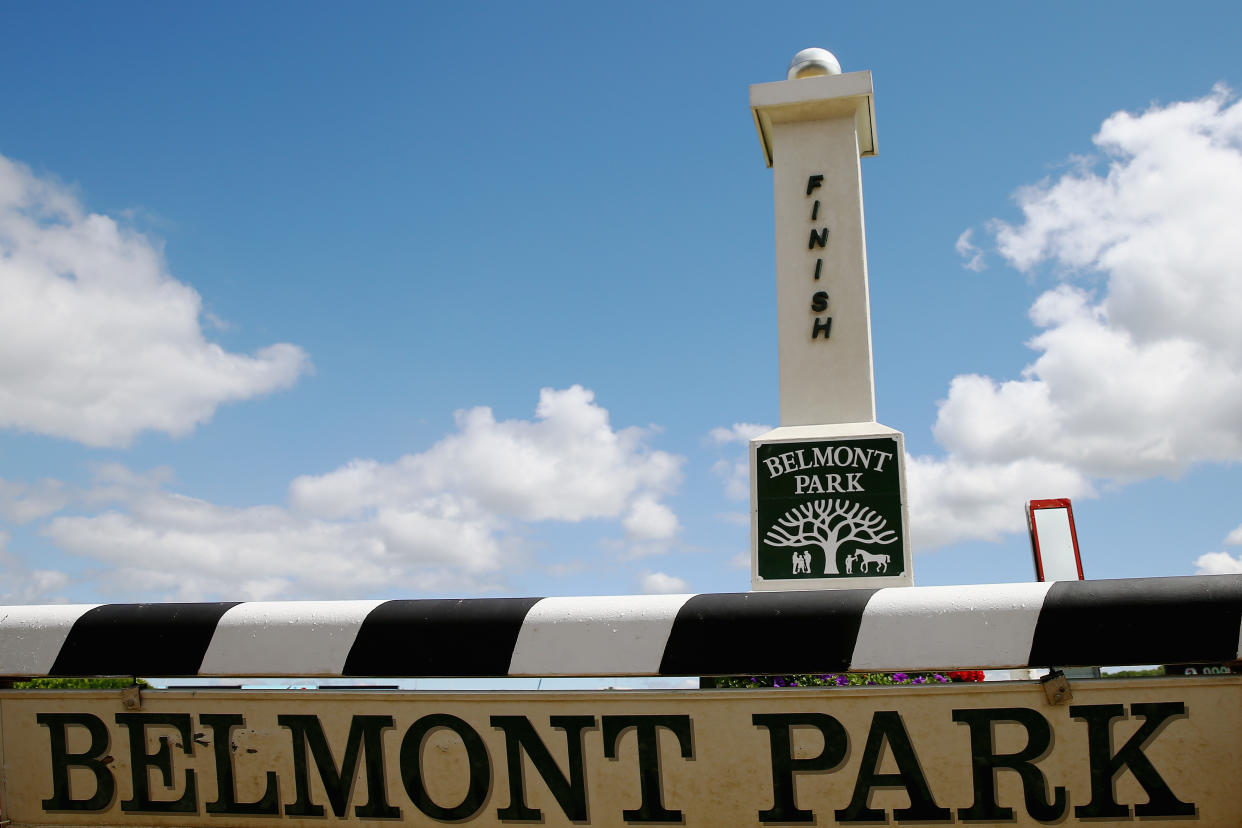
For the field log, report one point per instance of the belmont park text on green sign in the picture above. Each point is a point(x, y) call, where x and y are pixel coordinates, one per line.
point(829, 509)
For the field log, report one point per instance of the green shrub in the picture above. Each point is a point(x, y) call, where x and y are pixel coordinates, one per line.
point(79, 684)
point(849, 679)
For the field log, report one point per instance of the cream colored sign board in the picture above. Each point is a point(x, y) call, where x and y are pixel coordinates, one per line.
point(1165, 751)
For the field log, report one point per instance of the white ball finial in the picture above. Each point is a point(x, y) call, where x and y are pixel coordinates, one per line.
point(813, 63)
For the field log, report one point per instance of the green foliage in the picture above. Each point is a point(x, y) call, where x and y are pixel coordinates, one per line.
point(834, 680)
point(1151, 671)
point(79, 684)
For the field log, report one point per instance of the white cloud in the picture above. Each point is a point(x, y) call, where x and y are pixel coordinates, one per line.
point(1221, 563)
point(649, 520)
point(97, 341)
point(568, 464)
point(972, 255)
point(659, 583)
point(21, 585)
point(737, 433)
point(1139, 366)
point(1218, 563)
point(32, 586)
point(22, 503)
point(450, 519)
point(736, 476)
point(175, 547)
point(735, 471)
point(954, 500)
point(182, 548)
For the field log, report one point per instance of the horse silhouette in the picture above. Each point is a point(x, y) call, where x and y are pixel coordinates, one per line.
point(866, 559)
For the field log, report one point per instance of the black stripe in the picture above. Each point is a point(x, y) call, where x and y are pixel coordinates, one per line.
point(762, 633)
point(439, 637)
point(139, 640)
point(1139, 621)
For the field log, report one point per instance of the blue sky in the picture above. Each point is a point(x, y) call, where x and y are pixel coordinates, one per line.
point(406, 300)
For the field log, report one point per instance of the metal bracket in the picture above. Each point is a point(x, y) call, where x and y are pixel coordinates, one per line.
point(131, 697)
point(1057, 688)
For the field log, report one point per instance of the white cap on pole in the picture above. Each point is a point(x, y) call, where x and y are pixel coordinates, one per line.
point(813, 63)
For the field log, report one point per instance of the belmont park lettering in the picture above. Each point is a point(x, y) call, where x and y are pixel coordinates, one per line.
point(827, 456)
point(82, 781)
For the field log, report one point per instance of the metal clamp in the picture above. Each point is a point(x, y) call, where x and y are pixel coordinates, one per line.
point(131, 697)
point(1057, 688)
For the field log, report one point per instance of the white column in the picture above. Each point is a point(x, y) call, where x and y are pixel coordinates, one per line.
point(814, 130)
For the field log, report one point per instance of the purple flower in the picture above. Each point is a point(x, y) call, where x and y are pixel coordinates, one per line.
point(920, 679)
point(900, 677)
point(938, 677)
point(779, 681)
point(842, 681)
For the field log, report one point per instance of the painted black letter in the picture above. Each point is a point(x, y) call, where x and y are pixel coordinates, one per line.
point(365, 736)
point(1106, 765)
point(813, 183)
point(886, 725)
point(570, 793)
point(412, 770)
point(140, 761)
point(222, 725)
point(985, 761)
point(819, 302)
point(824, 325)
point(784, 766)
point(819, 265)
point(92, 760)
point(820, 238)
point(652, 808)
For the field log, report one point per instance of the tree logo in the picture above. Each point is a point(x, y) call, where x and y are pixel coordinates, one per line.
point(829, 524)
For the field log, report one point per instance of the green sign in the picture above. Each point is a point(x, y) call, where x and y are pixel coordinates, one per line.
point(829, 509)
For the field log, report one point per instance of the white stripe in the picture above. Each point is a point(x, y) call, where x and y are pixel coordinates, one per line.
point(928, 628)
point(601, 636)
point(31, 637)
point(285, 638)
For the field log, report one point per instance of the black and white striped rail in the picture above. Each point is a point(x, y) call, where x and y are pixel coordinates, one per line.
point(1117, 622)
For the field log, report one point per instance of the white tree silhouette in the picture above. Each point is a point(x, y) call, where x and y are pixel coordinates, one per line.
point(828, 524)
